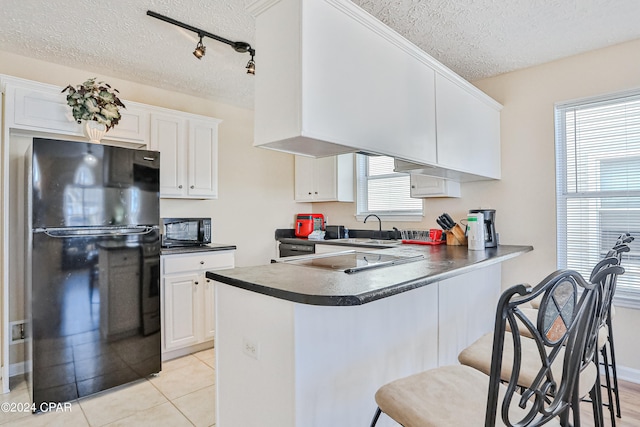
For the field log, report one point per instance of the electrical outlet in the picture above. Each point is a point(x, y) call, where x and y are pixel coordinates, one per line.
point(17, 331)
point(251, 348)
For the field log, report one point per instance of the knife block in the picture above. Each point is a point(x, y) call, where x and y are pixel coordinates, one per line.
point(456, 237)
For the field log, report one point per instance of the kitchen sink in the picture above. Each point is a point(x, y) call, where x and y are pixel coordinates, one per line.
point(353, 261)
point(368, 241)
point(383, 242)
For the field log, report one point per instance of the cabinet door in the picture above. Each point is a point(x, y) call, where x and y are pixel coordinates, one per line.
point(325, 177)
point(203, 159)
point(468, 129)
point(427, 186)
point(168, 137)
point(304, 178)
point(209, 309)
point(42, 109)
point(180, 310)
point(133, 124)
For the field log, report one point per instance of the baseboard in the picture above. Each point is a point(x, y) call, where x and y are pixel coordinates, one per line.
point(17, 369)
point(187, 350)
point(628, 374)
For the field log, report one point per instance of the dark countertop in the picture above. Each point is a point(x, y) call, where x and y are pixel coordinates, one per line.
point(212, 247)
point(315, 286)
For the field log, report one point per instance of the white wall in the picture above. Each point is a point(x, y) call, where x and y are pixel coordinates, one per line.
point(525, 196)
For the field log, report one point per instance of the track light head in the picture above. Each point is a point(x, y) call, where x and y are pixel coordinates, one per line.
point(200, 49)
point(251, 66)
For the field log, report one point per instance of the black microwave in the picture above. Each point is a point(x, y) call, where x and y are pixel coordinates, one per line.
point(186, 232)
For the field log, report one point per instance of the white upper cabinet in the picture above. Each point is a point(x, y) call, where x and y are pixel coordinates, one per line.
point(39, 108)
point(43, 108)
point(468, 130)
point(329, 179)
point(423, 186)
point(133, 125)
point(168, 137)
point(203, 159)
point(188, 149)
point(333, 79)
point(188, 143)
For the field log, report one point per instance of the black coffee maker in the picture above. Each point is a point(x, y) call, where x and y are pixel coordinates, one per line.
point(490, 236)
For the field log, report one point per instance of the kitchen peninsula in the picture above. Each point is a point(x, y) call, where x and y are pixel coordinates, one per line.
point(299, 345)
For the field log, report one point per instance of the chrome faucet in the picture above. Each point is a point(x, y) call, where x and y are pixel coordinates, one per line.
point(379, 224)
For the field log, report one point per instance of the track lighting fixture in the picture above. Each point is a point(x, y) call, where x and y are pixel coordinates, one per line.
point(251, 66)
point(200, 49)
point(240, 47)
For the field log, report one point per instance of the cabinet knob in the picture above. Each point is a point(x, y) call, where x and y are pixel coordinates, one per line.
point(196, 282)
point(201, 262)
point(309, 192)
point(192, 187)
point(316, 192)
point(179, 186)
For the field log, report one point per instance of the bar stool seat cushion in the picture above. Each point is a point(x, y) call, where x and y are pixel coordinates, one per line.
point(446, 396)
point(478, 356)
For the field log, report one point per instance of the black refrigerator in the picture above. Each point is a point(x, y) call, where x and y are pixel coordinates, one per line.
point(92, 268)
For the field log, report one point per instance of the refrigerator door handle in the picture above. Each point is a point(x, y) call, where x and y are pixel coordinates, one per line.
point(65, 232)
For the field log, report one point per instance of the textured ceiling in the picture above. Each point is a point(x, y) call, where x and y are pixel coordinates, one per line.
point(475, 38)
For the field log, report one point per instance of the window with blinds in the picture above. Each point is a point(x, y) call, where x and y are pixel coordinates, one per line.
point(598, 185)
point(382, 191)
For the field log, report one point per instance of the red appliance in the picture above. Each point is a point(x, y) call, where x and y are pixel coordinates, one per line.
point(307, 223)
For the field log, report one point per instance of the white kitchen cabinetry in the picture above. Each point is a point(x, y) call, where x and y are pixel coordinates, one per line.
point(188, 142)
point(188, 155)
point(363, 87)
point(423, 186)
point(133, 125)
point(328, 179)
point(468, 130)
point(188, 299)
point(357, 86)
point(43, 108)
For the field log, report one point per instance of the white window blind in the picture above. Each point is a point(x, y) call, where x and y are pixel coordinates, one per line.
point(598, 185)
point(382, 191)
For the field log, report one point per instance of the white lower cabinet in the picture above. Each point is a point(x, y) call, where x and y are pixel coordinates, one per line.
point(188, 299)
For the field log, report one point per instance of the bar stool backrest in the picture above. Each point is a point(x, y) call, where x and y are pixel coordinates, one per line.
point(565, 333)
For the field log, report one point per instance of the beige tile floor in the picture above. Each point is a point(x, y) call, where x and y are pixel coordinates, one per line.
point(182, 395)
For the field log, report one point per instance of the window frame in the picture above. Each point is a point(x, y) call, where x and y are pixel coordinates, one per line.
point(362, 201)
point(628, 297)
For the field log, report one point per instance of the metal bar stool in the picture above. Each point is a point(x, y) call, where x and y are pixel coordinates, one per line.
point(463, 396)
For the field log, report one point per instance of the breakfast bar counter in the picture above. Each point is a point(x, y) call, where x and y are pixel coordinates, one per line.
point(317, 286)
point(306, 345)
